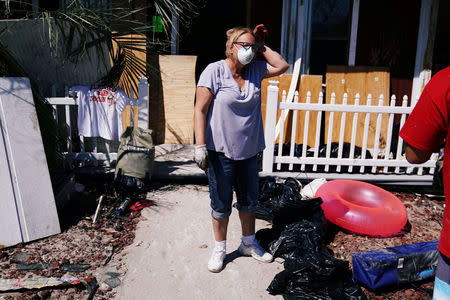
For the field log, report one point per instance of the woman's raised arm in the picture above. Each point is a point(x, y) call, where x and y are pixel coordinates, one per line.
point(277, 64)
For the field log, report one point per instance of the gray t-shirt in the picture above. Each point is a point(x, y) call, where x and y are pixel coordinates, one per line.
point(234, 122)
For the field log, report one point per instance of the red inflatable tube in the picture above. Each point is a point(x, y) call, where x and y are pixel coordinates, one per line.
point(362, 207)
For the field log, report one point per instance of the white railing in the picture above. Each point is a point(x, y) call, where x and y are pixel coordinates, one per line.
point(383, 166)
point(62, 106)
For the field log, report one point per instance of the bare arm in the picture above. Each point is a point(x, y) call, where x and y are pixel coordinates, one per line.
point(203, 100)
point(277, 64)
point(416, 156)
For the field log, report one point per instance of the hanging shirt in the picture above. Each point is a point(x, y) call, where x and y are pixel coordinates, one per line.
point(100, 111)
point(234, 122)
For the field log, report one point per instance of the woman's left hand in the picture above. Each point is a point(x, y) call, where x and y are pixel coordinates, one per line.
point(201, 156)
point(260, 32)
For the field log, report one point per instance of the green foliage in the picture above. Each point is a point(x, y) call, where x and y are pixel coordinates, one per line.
point(103, 26)
point(83, 25)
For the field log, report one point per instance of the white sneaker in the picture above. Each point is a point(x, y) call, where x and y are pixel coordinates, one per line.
point(256, 251)
point(215, 263)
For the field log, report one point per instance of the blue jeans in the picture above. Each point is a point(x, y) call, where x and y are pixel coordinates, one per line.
point(442, 279)
point(224, 174)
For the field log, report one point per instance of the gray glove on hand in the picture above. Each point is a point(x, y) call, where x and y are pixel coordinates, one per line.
point(201, 156)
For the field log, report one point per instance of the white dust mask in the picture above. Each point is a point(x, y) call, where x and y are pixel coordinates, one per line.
point(245, 55)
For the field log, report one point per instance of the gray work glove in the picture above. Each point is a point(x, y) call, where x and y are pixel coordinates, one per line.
point(201, 156)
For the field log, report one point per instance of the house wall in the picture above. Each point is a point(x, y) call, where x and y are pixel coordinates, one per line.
point(206, 38)
point(42, 62)
point(441, 52)
point(387, 37)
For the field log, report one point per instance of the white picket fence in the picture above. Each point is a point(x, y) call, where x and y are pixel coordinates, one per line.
point(107, 152)
point(383, 167)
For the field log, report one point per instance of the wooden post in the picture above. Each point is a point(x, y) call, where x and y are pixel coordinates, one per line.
point(271, 115)
point(141, 110)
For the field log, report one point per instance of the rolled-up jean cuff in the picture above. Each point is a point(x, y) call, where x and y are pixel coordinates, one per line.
point(219, 215)
point(246, 209)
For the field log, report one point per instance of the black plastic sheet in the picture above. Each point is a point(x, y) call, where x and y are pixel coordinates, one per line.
point(297, 236)
point(281, 203)
point(310, 271)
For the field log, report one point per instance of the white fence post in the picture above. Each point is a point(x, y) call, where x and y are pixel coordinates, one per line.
point(281, 136)
point(354, 128)
point(271, 120)
point(389, 134)
point(305, 130)
point(341, 132)
point(330, 131)
point(318, 129)
point(143, 104)
point(366, 132)
point(376, 141)
point(400, 140)
point(293, 131)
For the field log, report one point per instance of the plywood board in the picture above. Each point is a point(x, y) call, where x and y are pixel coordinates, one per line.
point(362, 81)
point(27, 206)
point(178, 88)
point(312, 84)
point(377, 83)
point(355, 83)
point(283, 85)
point(335, 83)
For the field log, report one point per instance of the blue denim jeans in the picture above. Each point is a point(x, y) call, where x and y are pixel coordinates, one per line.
point(442, 279)
point(224, 174)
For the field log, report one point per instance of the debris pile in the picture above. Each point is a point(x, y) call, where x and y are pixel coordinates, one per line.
point(80, 261)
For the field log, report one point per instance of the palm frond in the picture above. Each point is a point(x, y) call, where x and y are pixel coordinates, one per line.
point(82, 26)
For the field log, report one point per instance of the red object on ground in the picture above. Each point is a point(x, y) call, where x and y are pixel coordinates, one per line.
point(362, 208)
point(140, 204)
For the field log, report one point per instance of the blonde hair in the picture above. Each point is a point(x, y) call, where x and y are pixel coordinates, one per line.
point(232, 35)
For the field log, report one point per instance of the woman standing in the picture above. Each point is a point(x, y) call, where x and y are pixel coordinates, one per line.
point(229, 134)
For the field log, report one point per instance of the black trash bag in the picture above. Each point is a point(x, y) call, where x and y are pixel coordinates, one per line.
point(298, 152)
point(268, 188)
point(286, 149)
point(315, 275)
point(299, 237)
point(334, 147)
point(310, 271)
point(282, 204)
point(336, 289)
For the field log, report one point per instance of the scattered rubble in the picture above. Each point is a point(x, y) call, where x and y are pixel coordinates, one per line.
point(85, 251)
point(92, 252)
